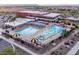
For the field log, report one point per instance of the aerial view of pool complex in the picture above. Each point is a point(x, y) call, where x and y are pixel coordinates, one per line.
point(40, 37)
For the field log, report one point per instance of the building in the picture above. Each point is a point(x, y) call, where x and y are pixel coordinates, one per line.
point(72, 20)
point(51, 17)
point(18, 22)
point(30, 13)
point(39, 15)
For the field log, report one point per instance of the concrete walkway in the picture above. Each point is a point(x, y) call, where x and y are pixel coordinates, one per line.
point(74, 50)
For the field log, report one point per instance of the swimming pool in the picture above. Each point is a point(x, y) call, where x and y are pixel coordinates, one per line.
point(27, 31)
point(51, 31)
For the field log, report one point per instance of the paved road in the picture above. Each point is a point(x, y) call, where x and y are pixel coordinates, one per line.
point(74, 49)
point(68, 38)
point(4, 44)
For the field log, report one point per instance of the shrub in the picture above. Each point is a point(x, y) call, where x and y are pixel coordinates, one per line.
point(7, 51)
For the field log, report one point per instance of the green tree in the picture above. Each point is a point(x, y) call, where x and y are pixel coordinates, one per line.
point(65, 33)
point(7, 51)
point(73, 24)
point(69, 23)
point(76, 26)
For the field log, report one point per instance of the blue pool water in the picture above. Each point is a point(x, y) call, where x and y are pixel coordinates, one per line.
point(27, 31)
point(51, 31)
